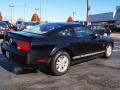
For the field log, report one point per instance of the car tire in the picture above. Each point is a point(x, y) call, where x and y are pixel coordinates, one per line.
point(60, 63)
point(108, 51)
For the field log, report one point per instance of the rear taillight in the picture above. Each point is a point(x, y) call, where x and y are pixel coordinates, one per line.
point(23, 46)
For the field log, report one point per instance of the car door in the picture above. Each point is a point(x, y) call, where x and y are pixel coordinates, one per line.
point(68, 37)
point(90, 42)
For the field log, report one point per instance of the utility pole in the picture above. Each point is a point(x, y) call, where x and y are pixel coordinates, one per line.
point(73, 15)
point(25, 7)
point(87, 14)
point(41, 10)
point(36, 9)
point(11, 6)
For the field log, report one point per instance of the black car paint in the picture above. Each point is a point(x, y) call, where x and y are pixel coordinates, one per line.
point(46, 45)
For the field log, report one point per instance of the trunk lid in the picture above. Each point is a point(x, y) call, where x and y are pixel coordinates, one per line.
point(12, 38)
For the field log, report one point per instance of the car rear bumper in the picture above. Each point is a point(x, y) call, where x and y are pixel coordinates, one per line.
point(23, 59)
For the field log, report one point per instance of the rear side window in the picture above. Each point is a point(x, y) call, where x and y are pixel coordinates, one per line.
point(66, 32)
point(30, 24)
point(94, 27)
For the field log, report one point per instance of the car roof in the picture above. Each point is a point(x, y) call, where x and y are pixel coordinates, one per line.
point(29, 22)
point(63, 24)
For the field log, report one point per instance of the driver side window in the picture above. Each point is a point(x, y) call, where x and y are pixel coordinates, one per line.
point(82, 31)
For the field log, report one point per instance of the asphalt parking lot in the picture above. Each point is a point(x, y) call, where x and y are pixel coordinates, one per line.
point(97, 74)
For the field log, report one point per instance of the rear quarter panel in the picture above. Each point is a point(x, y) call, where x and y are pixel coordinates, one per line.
point(48, 46)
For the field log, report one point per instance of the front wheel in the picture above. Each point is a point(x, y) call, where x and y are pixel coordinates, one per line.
point(60, 63)
point(108, 51)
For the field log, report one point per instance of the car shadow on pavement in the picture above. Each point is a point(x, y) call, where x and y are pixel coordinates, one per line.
point(9, 66)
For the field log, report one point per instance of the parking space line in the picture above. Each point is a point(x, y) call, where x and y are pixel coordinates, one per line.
point(117, 46)
point(116, 50)
point(116, 42)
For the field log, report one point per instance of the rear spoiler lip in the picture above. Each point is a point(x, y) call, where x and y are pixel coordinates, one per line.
point(14, 33)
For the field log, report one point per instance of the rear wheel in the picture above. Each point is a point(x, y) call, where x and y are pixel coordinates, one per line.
point(60, 63)
point(108, 51)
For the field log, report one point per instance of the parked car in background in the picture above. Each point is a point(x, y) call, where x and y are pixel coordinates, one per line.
point(115, 28)
point(9, 24)
point(3, 28)
point(101, 29)
point(27, 25)
point(17, 24)
point(54, 45)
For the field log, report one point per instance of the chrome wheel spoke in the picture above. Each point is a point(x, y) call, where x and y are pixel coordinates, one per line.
point(109, 51)
point(62, 63)
point(58, 63)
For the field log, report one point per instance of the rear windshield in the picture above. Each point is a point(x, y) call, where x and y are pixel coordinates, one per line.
point(44, 28)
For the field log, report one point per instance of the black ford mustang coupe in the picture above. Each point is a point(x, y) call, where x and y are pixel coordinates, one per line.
point(55, 45)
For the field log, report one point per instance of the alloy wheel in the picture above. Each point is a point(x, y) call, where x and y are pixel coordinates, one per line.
point(62, 63)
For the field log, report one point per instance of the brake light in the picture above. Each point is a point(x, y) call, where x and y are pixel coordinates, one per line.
point(23, 46)
point(41, 60)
